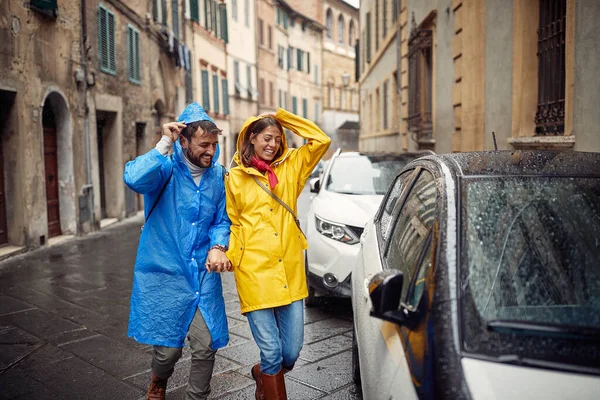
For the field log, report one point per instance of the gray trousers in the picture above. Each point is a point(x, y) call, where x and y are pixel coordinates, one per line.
point(203, 359)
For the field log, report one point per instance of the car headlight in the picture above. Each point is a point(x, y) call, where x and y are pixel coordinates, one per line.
point(339, 232)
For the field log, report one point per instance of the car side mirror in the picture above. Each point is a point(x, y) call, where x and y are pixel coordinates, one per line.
point(315, 185)
point(385, 289)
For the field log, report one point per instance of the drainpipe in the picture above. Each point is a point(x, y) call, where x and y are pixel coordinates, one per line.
point(87, 190)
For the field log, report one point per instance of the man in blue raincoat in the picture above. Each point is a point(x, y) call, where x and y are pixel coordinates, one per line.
point(185, 238)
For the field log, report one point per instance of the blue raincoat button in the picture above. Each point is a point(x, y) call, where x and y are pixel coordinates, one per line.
point(193, 224)
point(197, 191)
point(193, 258)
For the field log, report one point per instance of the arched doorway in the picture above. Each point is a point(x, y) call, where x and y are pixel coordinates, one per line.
point(58, 165)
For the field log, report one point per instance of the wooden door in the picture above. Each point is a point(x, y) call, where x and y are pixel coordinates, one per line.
point(3, 225)
point(51, 165)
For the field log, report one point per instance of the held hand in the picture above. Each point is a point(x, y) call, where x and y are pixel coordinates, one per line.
point(172, 130)
point(217, 261)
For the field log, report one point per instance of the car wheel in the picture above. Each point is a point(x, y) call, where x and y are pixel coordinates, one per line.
point(312, 300)
point(355, 362)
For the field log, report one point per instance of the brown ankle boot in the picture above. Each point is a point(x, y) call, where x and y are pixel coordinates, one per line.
point(157, 389)
point(257, 375)
point(274, 386)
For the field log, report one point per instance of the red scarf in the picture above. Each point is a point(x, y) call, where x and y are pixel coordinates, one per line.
point(263, 166)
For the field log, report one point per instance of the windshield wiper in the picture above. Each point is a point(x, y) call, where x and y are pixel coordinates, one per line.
point(510, 326)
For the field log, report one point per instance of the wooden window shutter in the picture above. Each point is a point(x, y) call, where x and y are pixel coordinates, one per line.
point(112, 51)
point(224, 33)
point(194, 10)
point(102, 39)
point(225, 90)
point(216, 93)
point(205, 90)
point(175, 17)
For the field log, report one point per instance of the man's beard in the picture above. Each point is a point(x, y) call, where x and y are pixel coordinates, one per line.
point(198, 160)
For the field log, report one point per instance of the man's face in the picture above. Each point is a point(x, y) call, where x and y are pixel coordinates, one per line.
point(201, 149)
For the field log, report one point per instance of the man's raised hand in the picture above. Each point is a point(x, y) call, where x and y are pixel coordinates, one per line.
point(172, 130)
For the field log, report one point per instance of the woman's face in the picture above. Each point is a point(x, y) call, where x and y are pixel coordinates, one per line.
point(267, 143)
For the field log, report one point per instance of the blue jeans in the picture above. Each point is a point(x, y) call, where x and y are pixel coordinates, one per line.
point(279, 334)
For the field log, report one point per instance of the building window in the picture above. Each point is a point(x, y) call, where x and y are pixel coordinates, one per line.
point(205, 90)
point(384, 19)
point(331, 96)
point(189, 90)
point(395, 10)
point(295, 105)
point(299, 59)
point(261, 91)
point(175, 18)
point(247, 12)
point(234, 10)
point(216, 92)
point(329, 22)
point(223, 31)
point(316, 74)
point(107, 52)
point(280, 56)
point(236, 78)
point(282, 18)
point(159, 11)
point(550, 114)
point(208, 14)
point(291, 58)
point(270, 36)
point(194, 10)
point(341, 30)
point(261, 35)
point(307, 62)
point(419, 83)
point(351, 34)
point(385, 105)
point(271, 94)
point(305, 108)
point(285, 98)
point(280, 104)
point(376, 25)
point(249, 77)
point(225, 90)
point(133, 54)
point(368, 38)
point(316, 112)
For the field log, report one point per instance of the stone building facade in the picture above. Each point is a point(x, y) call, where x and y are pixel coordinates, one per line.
point(522, 70)
point(83, 90)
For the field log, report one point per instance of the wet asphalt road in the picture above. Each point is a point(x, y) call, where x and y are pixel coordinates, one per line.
point(63, 330)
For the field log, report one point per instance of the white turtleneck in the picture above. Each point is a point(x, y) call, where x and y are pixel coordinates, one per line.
point(165, 144)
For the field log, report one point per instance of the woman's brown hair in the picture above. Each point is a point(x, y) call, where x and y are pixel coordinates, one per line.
point(247, 150)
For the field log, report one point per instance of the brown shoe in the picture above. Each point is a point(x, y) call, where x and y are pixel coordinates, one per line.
point(274, 386)
point(257, 375)
point(157, 389)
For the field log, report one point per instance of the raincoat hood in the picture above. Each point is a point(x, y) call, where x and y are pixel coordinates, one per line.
point(193, 113)
point(244, 132)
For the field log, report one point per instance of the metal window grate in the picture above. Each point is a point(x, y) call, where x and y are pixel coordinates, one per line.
point(550, 115)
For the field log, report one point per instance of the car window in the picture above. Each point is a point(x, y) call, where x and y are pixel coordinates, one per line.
point(418, 286)
point(365, 174)
point(411, 228)
point(391, 202)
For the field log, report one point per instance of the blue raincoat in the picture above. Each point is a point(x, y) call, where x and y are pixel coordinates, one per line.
point(170, 279)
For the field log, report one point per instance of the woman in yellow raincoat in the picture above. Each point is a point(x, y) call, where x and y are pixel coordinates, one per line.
point(266, 244)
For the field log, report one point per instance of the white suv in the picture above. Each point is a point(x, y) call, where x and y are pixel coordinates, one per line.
point(348, 195)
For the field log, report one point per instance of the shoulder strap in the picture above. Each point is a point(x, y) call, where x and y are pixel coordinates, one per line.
point(159, 195)
point(263, 187)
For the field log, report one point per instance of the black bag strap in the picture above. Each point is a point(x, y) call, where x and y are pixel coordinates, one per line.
point(280, 202)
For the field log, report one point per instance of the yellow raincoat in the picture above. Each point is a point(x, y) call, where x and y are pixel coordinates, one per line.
point(266, 246)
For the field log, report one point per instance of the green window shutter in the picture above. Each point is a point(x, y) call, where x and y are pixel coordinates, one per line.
point(305, 108)
point(368, 29)
point(299, 60)
point(308, 63)
point(213, 13)
point(175, 17)
point(224, 34)
point(285, 20)
point(294, 105)
point(316, 112)
point(205, 91)
point(316, 74)
point(206, 13)
point(154, 10)
point(216, 92)
point(194, 10)
point(133, 54)
point(163, 4)
point(225, 90)
point(289, 57)
point(107, 54)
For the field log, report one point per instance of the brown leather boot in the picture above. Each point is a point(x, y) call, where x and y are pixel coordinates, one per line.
point(157, 389)
point(274, 386)
point(257, 375)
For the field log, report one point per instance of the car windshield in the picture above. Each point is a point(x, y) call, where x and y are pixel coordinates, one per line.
point(530, 251)
point(365, 175)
